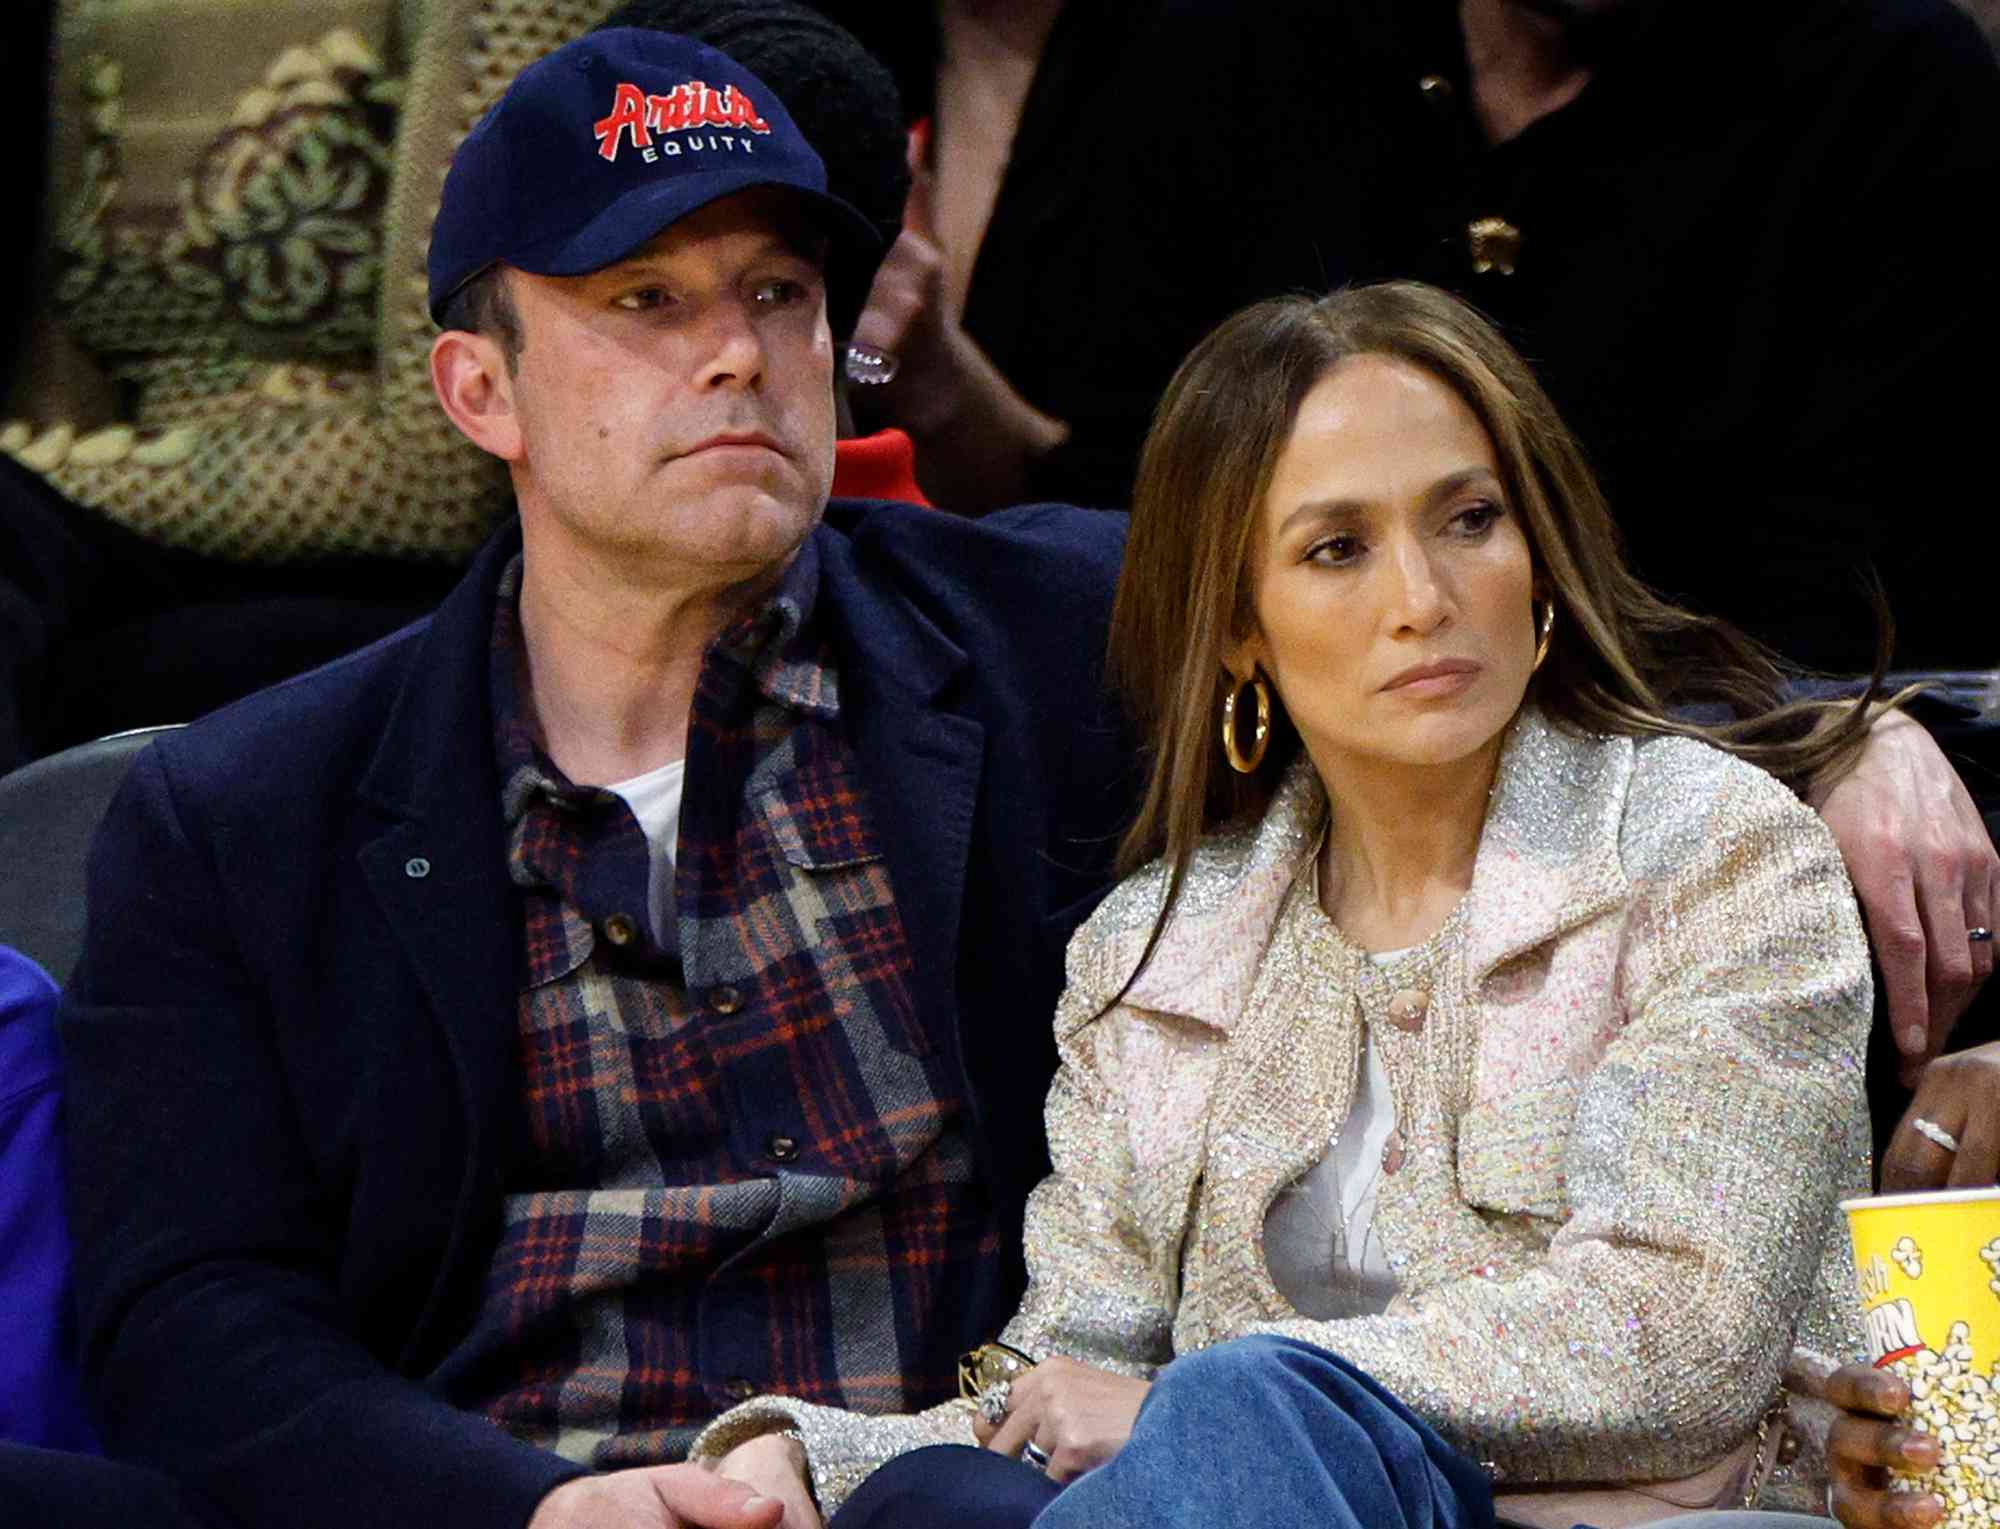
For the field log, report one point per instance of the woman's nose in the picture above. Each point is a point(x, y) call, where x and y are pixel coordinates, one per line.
point(1421, 600)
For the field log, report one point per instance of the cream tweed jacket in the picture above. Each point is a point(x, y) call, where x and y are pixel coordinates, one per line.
point(1624, 1121)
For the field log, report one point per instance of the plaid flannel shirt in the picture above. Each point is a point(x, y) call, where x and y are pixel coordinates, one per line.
point(747, 1169)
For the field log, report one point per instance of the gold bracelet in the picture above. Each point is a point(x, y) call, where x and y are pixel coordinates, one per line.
point(989, 1365)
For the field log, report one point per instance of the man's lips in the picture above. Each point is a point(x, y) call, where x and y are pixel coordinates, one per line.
point(726, 439)
point(1436, 669)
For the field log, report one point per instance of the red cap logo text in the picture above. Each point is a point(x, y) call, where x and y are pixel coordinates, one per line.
point(692, 105)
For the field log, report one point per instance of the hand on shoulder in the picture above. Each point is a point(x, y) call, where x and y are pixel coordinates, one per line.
point(1925, 871)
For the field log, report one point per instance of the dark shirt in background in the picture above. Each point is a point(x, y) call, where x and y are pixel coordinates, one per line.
point(1750, 266)
point(24, 129)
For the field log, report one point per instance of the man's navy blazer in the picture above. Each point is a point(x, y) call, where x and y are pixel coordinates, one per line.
point(292, 1034)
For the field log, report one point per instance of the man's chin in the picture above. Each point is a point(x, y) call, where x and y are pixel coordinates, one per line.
point(753, 522)
point(1577, 13)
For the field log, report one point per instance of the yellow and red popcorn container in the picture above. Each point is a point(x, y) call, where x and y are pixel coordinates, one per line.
point(1928, 1269)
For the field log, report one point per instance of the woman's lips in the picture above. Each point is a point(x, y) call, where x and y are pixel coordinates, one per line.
point(1444, 677)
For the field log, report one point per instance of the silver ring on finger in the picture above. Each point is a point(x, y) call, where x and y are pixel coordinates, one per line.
point(869, 366)
point(994, 1402)
point(1033, 1454)
point(1932, 1131)
point(1979, 934)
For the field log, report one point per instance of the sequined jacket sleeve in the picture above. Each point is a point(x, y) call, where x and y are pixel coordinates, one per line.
point(1699, 1173)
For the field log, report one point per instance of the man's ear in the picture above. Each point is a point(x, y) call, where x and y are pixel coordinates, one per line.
point(470, 375)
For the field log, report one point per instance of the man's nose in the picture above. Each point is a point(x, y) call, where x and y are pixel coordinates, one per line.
point(732, 349)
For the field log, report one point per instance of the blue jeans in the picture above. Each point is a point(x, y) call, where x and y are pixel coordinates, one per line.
point(1257, 1432)
point(1266, 1431)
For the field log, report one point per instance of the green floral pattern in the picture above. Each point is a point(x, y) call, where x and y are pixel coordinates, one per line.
point(280, 237)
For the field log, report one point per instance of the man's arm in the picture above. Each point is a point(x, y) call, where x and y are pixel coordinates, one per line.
point(218, 1343)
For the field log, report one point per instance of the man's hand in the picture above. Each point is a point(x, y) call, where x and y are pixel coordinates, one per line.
point(975, 436)
point(659, 1497)
point(1959, 1093)
point(1866, 1443)
point(1079, 1415)
point(1924, 868)
point(774, 1465)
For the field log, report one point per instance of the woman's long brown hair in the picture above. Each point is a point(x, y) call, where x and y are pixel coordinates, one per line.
point(1621, 660)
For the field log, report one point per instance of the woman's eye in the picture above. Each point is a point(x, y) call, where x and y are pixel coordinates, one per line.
point(1334, 550)
point(1477, 519)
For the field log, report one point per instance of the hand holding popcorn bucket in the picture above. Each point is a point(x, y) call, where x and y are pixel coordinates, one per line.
point(1928, 1268)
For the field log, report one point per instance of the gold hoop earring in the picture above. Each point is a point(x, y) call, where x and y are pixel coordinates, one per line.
point(1548, 630)
point(1241, 763)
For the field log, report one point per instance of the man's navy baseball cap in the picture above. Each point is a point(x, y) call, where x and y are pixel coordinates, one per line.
point(613, 137)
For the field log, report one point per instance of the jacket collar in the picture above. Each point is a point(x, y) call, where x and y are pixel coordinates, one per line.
point(1547, 862)
point(436, 748)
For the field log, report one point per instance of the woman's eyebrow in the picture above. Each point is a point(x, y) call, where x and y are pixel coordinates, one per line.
point(1352, 509)
point(1465, 477)
point(1323, 510)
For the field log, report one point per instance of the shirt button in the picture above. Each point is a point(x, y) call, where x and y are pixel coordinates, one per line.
point(1392, 1153)
point(620, 930)
point(782, 1148)
point(1407, 1008)
point(1494, 245)
point(725, 1000)
point(738, 1389)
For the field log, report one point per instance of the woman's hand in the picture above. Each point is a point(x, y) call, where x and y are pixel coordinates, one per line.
point(774, 1466)
point(1078, 1415)
point(1960, 1094)
point(1866, 1441)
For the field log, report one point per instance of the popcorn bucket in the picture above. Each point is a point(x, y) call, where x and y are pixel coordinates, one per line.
point(1928, 1267)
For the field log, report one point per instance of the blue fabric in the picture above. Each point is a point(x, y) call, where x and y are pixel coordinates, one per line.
point(291, 1037)
point(55, 1489)
point(947, 1484)
point(1272, 1431)
point(40, 1402)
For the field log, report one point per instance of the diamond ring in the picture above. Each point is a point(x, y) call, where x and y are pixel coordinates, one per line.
point(869, 367)
point(994, 1400)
